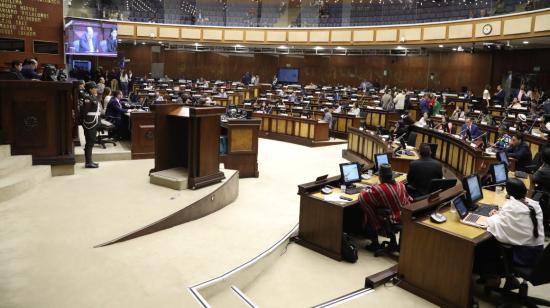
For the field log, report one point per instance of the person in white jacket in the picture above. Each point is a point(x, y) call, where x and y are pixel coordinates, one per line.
point(518, 223)
point(399, 101)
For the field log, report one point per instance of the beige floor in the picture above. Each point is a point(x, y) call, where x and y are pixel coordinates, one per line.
point(47, 235)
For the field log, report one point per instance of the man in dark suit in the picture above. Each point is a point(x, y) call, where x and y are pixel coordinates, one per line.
point(470, 129)
point(422, 171)
point(114, 112)
point(88, 43)
point(520, 151)
point(16, 67)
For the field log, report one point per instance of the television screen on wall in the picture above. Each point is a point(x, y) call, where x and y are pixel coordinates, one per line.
point(91, 38)
point(288, 75)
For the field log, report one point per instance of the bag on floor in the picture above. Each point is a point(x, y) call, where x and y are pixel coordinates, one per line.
point(349, 251)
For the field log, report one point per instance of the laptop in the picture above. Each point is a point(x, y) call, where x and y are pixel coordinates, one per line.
point(469, 218)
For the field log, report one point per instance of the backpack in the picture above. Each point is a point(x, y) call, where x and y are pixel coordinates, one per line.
point(349, 251)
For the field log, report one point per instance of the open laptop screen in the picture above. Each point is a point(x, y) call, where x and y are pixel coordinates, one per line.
point(460, 206)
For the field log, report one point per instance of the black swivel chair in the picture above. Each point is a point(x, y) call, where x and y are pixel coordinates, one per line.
point(537, 275)
point(390, 231)
point(104, 133)
point(411, 140)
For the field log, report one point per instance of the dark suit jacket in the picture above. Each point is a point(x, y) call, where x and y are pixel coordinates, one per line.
point(542, 178)
point(522, 154)
point(85, 47)
point(474, 131)
point(111, 45)
point(421, 172)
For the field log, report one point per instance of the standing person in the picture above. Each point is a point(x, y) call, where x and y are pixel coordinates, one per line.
point(328, 117)
point(100, 88)
point(486, 96)
point(424, 105)
point(387, 101)
point(89, 114)
point(499, 95)
point(399, 101)
point(437, 106)
point(124, 82)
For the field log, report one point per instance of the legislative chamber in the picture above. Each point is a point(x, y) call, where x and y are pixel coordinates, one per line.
point(275, 153)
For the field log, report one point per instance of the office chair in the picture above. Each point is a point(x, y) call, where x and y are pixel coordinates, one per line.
point(411, 140)
point(537, 275)
point(390, 231)
point(102, 138)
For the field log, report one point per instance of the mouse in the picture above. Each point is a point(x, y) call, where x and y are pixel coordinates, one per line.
point(326, 190)
point(365, 176)
point(438, 218)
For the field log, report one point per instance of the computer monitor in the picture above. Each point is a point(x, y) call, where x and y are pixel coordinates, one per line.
point(499, 172)
point(443, 184)
point(473, 189)
point(501, 157)
point(350, 173)
point(380, 159)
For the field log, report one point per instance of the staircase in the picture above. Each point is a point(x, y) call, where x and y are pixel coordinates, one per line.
point(17, 174)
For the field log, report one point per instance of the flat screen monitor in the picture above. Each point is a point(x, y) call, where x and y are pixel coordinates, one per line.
point(380, 159)
point(499, 172)
point(473, 188)
point(501, 157)
point(82, 65)
point(288, 75)
point(90, 37)
point(350, 173)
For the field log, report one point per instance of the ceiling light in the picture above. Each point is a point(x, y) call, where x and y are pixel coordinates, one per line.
point(318, 48)
point(340, 48)
point(440, 46)
point(282, 47)
point(525, 42)
point(238, 46)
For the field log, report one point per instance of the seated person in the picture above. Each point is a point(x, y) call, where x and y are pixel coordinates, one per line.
point(445, 125)
point(457, 114)
point(422, 171)
point(115, 111)
point(423, 122)
point(516, 104)
point(541, 179)
point(470, 130)
point(520, 151)
point(517, 223)
point(389, 194)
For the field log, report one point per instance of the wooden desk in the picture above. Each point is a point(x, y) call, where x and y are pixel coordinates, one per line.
point(143, 134)
point(436, 260)
point(363, 145)
point(242, 146)
point(38, 118)
point(292, 129)
point(322, 222)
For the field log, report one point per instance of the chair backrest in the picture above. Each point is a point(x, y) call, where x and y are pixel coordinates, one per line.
point(412, 139)
point(541, 271)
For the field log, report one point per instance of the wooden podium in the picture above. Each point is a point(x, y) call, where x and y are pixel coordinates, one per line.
point(187, 143)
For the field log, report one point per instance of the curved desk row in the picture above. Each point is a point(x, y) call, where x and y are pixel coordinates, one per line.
point(459, 156)
point(302, 131)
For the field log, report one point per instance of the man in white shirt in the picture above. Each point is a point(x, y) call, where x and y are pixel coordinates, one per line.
point(518, 223)
point(399, 101)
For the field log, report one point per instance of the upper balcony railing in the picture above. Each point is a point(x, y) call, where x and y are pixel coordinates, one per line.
point(301, 13)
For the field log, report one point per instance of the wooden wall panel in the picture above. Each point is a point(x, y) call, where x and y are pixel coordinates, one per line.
point(542, 23)
point(517, 26)
point(450, 69)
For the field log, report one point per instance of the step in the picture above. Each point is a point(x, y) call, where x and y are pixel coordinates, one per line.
point(5, 151)
point(22, 180)
point(11, 164)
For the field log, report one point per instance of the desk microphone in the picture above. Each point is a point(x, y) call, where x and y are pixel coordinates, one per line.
point(437, 217)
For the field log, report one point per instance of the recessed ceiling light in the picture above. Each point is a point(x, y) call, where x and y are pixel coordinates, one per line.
point(340, 48)
point(525, 42)
point(282, 47)
point(440, 46)
point(197, 44)
point(318, 48)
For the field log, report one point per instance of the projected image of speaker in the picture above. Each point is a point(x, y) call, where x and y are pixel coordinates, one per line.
point(88, 37)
